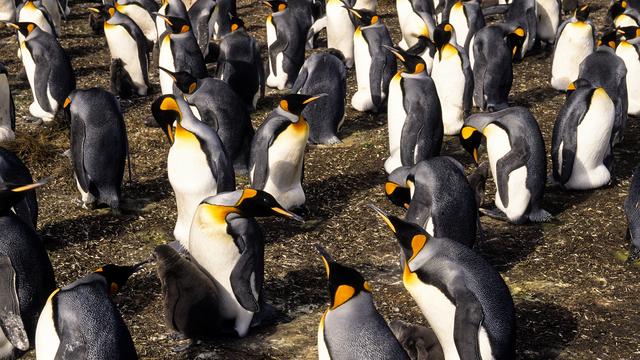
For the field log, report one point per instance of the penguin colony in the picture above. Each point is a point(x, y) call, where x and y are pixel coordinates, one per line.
point(450, 74)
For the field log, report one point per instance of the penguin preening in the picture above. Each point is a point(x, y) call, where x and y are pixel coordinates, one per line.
point(517, 158)
point(415, 18)
point(628, 49)
point(26, 275)
point(426, 49)
point(201, 17)
point(225, 222)
point(523, 13)
point(197, 164)
point(276, 162)
point(414, 114)
point(48, 68)
point(352, 327)
point(99, 145)
point(463, 298)
point(7, 108)
point(140, 12)
point(221, 18)
point(81, 321)
point(14, 171)
point(632, 211)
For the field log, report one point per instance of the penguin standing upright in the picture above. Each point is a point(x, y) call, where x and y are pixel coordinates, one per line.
point(26, 275)
point(352, 327)
point(81, 321)
point(632, 211)
point(374, 65)
point(466, 18)
point(7, 108)
point(517, 159)
point(225, 222)
point(581, 148)
point(197, 165)
point(414, 115)
point(630, 53)
point(14, 171)
point(340, 28)
point(622, 15)
point(48, 70)
point(277, 151)
point(548, 20)
point(323, 73)
point(576, 39)
point(463, 298)
point(415, 18)
point(140, 11)
point(129, 55)
point(286, 44)
point(453, 78)
point(99, 145)
point(201, 17)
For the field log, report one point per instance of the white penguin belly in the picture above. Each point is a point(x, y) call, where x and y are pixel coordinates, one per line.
point(548, 19)
point(6, 133)
point(323, 351)
point(340, 30)
point(161, 26)
point(449, 80)
point(361, 100)
point(396, 116)
point(458, 19)
point(498, 146)
point(411, 24)
point(366, 4)
point(592, 143)
point(30, 68)
point(47, 340)
point(574, 45)
point(144, 21)
point(629, 55)
point(165, 60)
point(122, 46)
point(278, 80)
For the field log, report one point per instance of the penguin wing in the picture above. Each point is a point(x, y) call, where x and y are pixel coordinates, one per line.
point(262, 140)
point(247, 274)
point(417, 143)
point(383, 63)
point(632, 209)
point(42, 73)
point(468, 318)
point(300, 80)
point(514, 159)
point(279, 46)
point(78, 136)
point(217, 157)
point(565, 132)
point(467, 99)
point(73, 343)
point(10, 319)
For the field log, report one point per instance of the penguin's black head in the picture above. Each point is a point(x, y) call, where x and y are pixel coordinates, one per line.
point(275, 5)
point(25, 28)
point(399, 195)
point(344, 282)
point(363, 17)
point(443, 34)
point(236, 24)
point(609, 38)
point(106, 11)
point(295, 103)
point(412, 63)
point(117, 275)
point(11, 193)
point(184, 81)
point(629, 32)
point(177, 25)
point(411, 237)
point(582, 12)
point(471, 139)
point(617, 9)
point(515, 40)
point(166, 111)
point(258, 203)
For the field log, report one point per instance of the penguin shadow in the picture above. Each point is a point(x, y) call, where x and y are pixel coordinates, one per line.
point(140, 291)
point(504, 244)
point(138, 195)
point(80, 51)
point(544, 329)
point(530, 97)
point(361, 122)
point(296, 290)
point(84, 228)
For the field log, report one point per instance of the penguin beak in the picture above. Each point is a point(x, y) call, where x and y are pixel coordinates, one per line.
point(287, 214)
point(394, 52)
point(385, 217)
point(326, 258)
point(94, 10)
point(12, 25)
point(267, 4)
point(31, 186)
point(168, 73)
point(167, 21)
point(312, 99)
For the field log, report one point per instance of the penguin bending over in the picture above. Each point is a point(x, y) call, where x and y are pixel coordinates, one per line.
point(466, 18)
point(140, 11)
point(201, 16)
point(628, 49)
point(197, 165)
point(524, 13)
point(517, 159)
point(352, 327)
point(632, 211)
point(413, 113)
point(7, 108)
point(220, 19)
point(415, 18)
point(14, 171)
point(276, 162)
point(426, 49)
point(225, 222)
point(463, 298)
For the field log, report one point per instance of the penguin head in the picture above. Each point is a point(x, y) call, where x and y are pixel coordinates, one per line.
point(236, 24)
point(25, 28)
point(345, 283)
point(295, 103)
point(629, 32)
point(617, 8)
point(515, 40)
point(578, 83)
point(117, 275)
point(471, 139)
point(411, 237)
point(184, 81)
point(258, 203)
point(11, 193)
point(399, 195)
point(275, 5)
point(412, 63)
point(177, 25)
point(166, 111)
point(582, 12)
point(363, 17)
point(106, 11)
point(609, 39)
point(443, 34)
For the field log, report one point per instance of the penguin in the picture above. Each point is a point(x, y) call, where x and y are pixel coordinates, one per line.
point(494, 50)
point(581, 147)
point(225, 222)
point(523, 13)
point(340, 28)
point(374, 65)
point(99, 145)
point(286, 44)
point(420, 342)
point(33, 11)
point(175, 8)
point(81, 321)
point(7, 108)
point(198, 165)
point(276, 161)
point(129, 55)
point(548, 20)
point(324, 73)
point(453, 78)
point(14, 171)
point(629, 51)
point(352, 327)
point(517, 158)
point(215, 103)
point(190, 299)
point(7, 11)
point(622, 15)
point(48, 68)
point(426, 49)
point(604, 69)
point(414, 115)
point(223, 12)
point(416, 19)
point(26, 275)
point(463, 298)
point(466, 18)
point(179, 51)
point(437, 197)
point(201, 16)
point(140, 11)
point(576, 39)
point(54, 12)
point(631, 206)
point(240, 64)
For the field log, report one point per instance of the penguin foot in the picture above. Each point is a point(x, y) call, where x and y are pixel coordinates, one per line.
point(32, 120)
point(267, 315)
point(494, 213)
point(634, 254)
point(177, 336)
point(183, 348)
point(540, 216)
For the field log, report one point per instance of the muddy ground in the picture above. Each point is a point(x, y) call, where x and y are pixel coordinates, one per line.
point(575, 297)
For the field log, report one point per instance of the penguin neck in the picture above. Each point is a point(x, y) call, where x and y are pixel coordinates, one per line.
point(217, 214)
point(292, 117)
point(408, 75)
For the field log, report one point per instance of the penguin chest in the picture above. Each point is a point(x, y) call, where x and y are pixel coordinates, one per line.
point(498, 146)
point(629, 55)
point(161, 26)
point(124, 47)
point(450, 81)
point(144, 21)
point(411, 24)
point(573, 46)
point(458, 19)
point(47, 339)
point(396, 116)
point(339, 28)
point(323, 350)
point(165, 60)
point(548, 19)
point(29, 67)
point(362, 59)
point(188, 167)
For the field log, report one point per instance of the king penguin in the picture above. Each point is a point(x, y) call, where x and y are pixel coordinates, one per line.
point(414, 115)
point(548, 20)
point(632, 211)
point(415, 18)
point(225, 222)
point(140, 11)
point(622, 15)
point(463, 298)
point(7, 108)
point(426, 49)
point(175, 8)
point(628, 49)
point(48, 68)
point(26, 275)
point(99, 145)
point(34, 12)
point(197, 165)
point(523, 13)
point(14, 171)
point(276, 162)
point(517, 159)
point(201, 17)
point(81, 321)
point(340, 28)
point(466, 18)
point(352, 327)
point(453, 78)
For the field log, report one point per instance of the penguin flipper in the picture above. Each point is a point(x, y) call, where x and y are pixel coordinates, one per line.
point(300, 80)
point(77, 153)
point(42, 76)
point(467, 97)
point(565, 132)
point(262, 140)
point(247, 275)
point(10, 320)
point(511, 161)
point(467, 321)
point(73, 344)
point(415, 143)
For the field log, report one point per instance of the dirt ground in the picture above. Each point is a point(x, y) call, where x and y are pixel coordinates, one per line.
point(575, 297)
